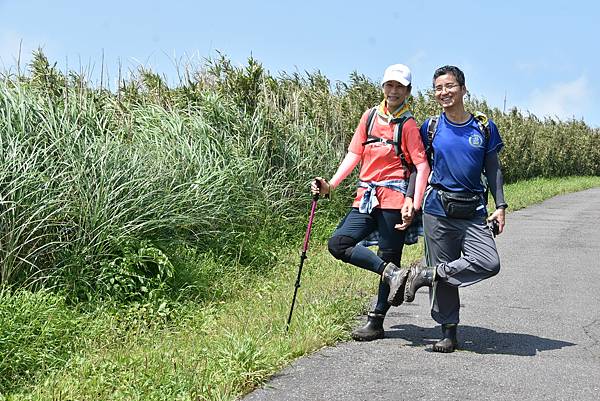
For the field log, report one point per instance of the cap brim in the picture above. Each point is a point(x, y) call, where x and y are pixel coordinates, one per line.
point(400, 80)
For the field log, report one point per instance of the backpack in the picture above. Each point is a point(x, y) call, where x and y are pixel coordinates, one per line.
point(397, 142)
point(416, 227)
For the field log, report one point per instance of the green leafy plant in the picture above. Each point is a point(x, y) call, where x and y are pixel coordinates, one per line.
point(142, 271)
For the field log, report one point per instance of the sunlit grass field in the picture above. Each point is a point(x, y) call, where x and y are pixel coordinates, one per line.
point(214, 350)
point(150, 235)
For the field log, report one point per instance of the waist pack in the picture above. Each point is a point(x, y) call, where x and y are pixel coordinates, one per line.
point(460, 205)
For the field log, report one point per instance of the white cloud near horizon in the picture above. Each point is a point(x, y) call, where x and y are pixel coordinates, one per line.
point(564, 100)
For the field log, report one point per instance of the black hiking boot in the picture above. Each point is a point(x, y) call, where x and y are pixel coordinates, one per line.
point(373, 330)
point(395, 277)
point(449, 342)
point(419, 276)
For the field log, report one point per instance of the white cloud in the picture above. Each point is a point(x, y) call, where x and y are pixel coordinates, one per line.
point(564, 100)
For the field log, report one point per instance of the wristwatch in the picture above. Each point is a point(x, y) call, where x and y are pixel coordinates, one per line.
point(502, 206)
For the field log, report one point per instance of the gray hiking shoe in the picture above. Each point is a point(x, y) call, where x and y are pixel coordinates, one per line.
point(395, 277)
point(419, 276)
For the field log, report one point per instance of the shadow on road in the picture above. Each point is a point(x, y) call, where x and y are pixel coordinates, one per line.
point(479, 340)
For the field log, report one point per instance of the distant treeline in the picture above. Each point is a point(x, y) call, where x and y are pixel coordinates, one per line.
point(104, 193)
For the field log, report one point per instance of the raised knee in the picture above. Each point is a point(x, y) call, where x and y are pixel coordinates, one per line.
point(341, 246)
point(493, 265)
point(496, 267)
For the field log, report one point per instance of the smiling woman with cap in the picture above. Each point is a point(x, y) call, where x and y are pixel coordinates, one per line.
point(388, 147)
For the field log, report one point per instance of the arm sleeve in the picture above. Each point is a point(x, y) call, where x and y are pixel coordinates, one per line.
point(345, 168)
point(495, 178)
point(410, 191)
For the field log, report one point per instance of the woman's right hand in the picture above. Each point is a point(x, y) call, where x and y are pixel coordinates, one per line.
point(324, 187)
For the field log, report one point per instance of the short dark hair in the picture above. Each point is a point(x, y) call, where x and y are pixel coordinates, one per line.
point(450, 69)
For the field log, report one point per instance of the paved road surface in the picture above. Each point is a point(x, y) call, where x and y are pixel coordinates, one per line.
point(530, 333)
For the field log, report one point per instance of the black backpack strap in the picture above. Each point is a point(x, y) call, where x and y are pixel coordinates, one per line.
point(398, 138)
point(373, 139)
point(484, 124)
point(369, 128)
point(397, 141)
point(431, 128)
point(398, 132)
point(370, 121)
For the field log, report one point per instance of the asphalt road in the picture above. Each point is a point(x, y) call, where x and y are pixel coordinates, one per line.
point(530, 333)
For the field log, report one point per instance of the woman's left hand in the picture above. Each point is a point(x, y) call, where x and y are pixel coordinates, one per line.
point(408, 213)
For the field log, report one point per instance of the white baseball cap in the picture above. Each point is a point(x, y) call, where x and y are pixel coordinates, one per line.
point(397, 72)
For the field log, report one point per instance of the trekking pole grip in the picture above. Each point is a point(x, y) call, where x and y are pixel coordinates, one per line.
point(318, 184)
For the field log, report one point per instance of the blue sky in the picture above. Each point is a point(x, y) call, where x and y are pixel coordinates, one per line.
point(539, 56)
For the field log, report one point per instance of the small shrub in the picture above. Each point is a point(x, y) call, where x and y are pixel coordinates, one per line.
point(142, 271)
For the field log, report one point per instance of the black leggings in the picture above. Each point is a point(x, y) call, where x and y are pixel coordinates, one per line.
point(356, 226)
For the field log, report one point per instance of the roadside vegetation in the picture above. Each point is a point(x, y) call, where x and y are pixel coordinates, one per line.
point(149, 236)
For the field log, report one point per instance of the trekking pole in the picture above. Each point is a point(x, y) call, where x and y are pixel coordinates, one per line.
point(303, 255)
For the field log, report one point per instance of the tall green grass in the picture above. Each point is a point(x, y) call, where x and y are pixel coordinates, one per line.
point(219, 164)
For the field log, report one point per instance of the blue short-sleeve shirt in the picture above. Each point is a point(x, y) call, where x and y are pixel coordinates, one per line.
point(459, 155)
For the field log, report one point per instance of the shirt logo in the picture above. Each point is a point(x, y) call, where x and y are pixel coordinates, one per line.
point(476, 140)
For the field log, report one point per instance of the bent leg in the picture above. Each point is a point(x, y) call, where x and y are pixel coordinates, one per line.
point(343, 244)
point(391, 243)
point(479, 259)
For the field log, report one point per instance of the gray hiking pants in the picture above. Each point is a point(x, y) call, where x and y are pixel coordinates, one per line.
point(464, 252)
